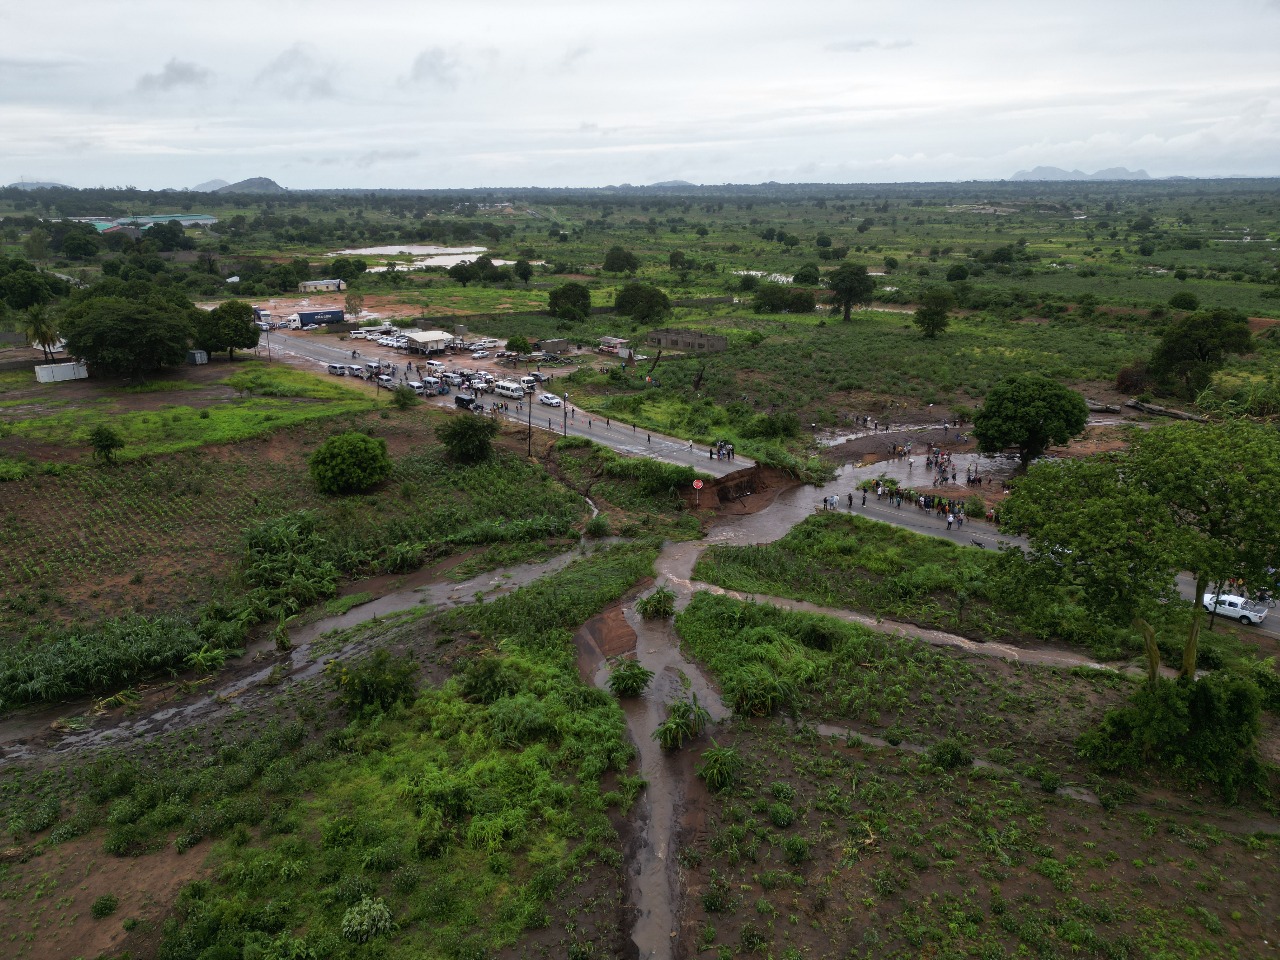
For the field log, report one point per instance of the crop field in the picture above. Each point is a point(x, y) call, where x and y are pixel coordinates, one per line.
point(826, 844)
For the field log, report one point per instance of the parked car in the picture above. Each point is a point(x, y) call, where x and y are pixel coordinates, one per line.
point(1238, 608)
point(464, 400)
point(550, 400)
point(311, 326)
point(338, 369)
point(386, 381)
point(479, 354)
point(417, 387)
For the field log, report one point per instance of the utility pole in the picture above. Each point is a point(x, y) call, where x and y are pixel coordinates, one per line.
point(529, 407)
point(564, 408)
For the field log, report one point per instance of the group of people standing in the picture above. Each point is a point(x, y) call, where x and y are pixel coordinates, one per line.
point(723, 450)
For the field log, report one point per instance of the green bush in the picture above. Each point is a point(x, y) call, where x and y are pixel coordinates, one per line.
point(720, 766)
point(377, 680)
point(781, 815)
point(366, 920)
point(949, 754)
point(468, 438)
point(685, 721)
point(658, 605)
point(403, 397)
point(598, 526)
point(1205, 729)
point(629, 679)
point(104, 906)
point(350, 462)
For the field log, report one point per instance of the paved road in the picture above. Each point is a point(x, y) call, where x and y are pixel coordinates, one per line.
point(619, 437)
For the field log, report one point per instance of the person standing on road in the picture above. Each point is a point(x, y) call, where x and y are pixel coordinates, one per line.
point(850, 499)
point(864, 498)
point(951, 518)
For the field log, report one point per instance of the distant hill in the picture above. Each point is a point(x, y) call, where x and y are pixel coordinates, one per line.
point(39, 185)
point(1057, 173)
point(672, 183)
point(253, 185)
point(209, 186)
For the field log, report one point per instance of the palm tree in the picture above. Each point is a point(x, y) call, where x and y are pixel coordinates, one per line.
point(40, 326)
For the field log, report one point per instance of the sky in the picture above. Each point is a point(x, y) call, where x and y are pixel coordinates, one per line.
point(425, 94)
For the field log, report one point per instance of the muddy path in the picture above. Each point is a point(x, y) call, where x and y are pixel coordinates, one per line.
point(59, 730)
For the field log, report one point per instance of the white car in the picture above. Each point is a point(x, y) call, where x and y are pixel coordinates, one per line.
point(550, 400)
point(1238, 608)
point(479, 354)
point(311, 326)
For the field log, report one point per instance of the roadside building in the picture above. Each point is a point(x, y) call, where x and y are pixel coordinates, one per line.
point(695, 340)
point(614, 345)
point(556, 345)
point(427, 341)
point(321, 286)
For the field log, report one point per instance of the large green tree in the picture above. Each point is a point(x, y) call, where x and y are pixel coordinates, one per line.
point(1098, 532)
point(40, 326)
point(1220, 482)
point(570, 301)
point(127, 338)
point(228, 326)
point(1193, 347)
point(350, 462)
point(934, 313)
point(1028, 412)
point(849, 284)
point(642, 302)
point(620, 260)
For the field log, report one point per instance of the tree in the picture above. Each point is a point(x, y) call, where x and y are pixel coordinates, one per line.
point(523, 270)
point(127, 338)
point(36, 245)
point(79, 245)
point(353, 304)
point(570, 301)
point(228, 326)
point(932, 316)
point(461, 273)
point(519, 344)
point(350, 462)
point(1028, 412)
point(25, 288)
point(957, 272)
point(850, 284)
point(1097, 530)
point(40, 326)
point(1184, 300)
point(1192, 348)
point(620, 260)
point(105, 442)
point(642, 302)
point(890, 264)
point(807, 275)
point(776, 298)
point(469, 439)
point(1220, 483)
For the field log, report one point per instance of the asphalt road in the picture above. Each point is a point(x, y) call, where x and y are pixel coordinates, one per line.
point(293, 346)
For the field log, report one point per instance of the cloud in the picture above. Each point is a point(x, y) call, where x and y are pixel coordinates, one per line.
point(375, 157)
point(858, 46)
point(435, 67)
point(572, 56)
point(297, 74)
point(176, 73)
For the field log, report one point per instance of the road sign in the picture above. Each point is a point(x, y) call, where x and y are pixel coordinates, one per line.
point(697, 484)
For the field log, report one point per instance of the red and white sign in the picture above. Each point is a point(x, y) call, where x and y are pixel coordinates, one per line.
point(697, 484)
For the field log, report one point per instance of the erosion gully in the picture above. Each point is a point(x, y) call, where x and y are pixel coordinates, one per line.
point(654, 877)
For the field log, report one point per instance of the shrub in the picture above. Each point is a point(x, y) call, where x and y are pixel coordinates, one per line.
point(658, 605)
point(949, 754)
point(403, 397)
point(105, 442)
point(468, 438)
point(1205, 729)
point(720, 766)
point(1184, 300)
point(598, 526)
point(717, 898)
point(781, 815)
point(366, 920)
point(377, 680)
point(795, 849)
point(104, 906)
point(350, 462)
point(629, 679)
point(685, 720)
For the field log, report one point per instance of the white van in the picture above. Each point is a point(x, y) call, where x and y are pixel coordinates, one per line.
point(431, 383)
point(453, 379)
point(338, 369)
point(530, 384)
point(433, 364)
point(507, 388)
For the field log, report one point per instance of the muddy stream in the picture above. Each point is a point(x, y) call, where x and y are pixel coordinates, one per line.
point(654, 877)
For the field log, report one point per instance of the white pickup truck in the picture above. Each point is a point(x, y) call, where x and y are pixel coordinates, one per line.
point(1238, 608)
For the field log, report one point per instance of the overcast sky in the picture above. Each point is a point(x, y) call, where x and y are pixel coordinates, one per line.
point(428, 94)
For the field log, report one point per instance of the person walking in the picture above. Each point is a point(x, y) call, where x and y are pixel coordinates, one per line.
point(850, 499)
point(864, 498)
point(951, 518)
